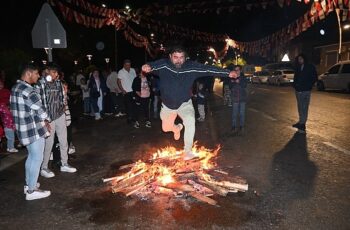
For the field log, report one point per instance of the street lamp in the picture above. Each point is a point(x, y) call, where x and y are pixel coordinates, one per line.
point(337, 11)
point(89, 56)
point(75, 62)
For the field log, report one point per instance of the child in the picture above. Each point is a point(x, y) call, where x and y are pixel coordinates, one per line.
point(86, 95)
point(201, 100)
point(7, 118)
point(239, 96)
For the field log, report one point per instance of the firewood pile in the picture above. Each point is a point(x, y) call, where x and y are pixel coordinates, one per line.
point(167, 173)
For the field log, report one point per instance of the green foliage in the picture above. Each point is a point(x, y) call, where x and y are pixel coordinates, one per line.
point(240, 61)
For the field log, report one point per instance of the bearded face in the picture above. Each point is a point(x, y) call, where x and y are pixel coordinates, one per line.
point(177, 58)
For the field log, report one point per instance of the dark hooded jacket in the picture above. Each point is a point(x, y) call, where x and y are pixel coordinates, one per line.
point(175, 84)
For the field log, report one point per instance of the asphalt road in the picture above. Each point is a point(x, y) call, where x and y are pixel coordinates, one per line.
point(295, 181)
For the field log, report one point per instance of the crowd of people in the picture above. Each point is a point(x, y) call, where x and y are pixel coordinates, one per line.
point(37, 108)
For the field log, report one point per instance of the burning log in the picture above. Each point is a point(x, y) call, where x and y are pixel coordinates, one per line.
point(180, 187)
point(219, 190)
point(226, 184)
point(168, 174)
point(203, 198)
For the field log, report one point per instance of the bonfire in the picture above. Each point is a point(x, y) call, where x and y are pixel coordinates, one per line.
point(165, 172)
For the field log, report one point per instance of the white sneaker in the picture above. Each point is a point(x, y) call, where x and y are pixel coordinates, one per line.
point(13, 150)
point(47, 173)
point(25, 189)
point(37, 194)
point(189, 155)
point(71, 150)
point(68, 168)
point(51, 156)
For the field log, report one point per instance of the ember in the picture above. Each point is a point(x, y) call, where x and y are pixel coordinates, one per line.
point(167, 173)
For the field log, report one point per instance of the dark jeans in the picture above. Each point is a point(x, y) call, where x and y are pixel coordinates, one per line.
point(129, 106)
point(143, 108)
point(94, 106)
point(303, 101)
point(107, 108)
point(238, 108)
point(117, 102)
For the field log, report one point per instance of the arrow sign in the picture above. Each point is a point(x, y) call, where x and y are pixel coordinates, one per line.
point(48, 32)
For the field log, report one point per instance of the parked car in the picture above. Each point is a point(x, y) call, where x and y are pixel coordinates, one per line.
point(337, 77)
point(260, 77)
point(281, 77)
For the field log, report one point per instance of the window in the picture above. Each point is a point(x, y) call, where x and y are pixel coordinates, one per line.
point(334, 69)
point(346, 68)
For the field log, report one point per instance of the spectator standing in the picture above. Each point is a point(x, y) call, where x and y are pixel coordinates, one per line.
point(79, 77)
point(142, 93)
point(6, 118)
point(239, 97)
point(305, 77)
point(32, 126)
point(201, 101)
point(156, 96)
point(116, 94)
point(125, 78)
point(226, 92)
point(51, 91)
point(86, 96)
point(97, 91)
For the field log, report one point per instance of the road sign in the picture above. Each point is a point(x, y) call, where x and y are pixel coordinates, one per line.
point(48, 32)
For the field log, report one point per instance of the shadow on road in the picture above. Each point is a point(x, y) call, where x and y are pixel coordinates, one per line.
point(292, 177)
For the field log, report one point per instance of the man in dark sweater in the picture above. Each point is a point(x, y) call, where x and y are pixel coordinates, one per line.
point(176, 77)
point(304, 78)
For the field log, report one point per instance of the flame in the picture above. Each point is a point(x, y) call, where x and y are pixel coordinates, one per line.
point(206, 154)
point(163, 164)
point(165, 175)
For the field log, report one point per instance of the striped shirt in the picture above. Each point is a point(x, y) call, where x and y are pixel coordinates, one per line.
point(52, 97)
point(28, 113)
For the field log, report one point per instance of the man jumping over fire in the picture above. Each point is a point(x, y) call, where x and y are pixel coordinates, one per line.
point(176, 77)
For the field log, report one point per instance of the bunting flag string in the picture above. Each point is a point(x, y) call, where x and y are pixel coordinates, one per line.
point(319, 10)
point(99, 16)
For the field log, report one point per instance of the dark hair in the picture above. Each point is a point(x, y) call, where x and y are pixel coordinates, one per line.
point(27, 67)
point(177, 49)
point(303, 56)
point(238, 66)
point(127, 61)
point(53, 66)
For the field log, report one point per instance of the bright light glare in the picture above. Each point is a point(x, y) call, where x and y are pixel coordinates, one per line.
point(285, 58)
point(57, 41)
point(322, 32)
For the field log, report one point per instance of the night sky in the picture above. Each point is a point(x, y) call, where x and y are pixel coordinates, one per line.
point(18, 18)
